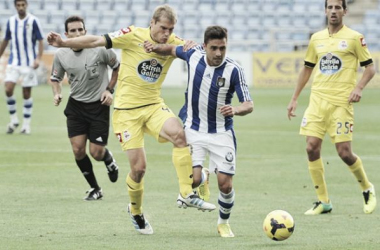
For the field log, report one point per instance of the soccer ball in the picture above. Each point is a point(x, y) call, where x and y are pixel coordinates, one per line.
point(278, 225)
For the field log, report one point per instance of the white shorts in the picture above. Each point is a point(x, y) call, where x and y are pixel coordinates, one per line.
point(27, 75)
point(221, 148)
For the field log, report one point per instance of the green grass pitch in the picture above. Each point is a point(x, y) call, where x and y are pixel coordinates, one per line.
point(41, 189)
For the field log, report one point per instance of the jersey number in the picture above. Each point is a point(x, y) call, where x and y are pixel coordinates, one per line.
point(340, 128)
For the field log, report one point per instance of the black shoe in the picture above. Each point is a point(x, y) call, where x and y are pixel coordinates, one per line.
point(11, 128)
point(94, 194)
point(113, 170)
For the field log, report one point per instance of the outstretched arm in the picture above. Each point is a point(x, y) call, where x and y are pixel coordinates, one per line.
point(356, 94)
point(82, 42)
point(302, 80)
point(162, 49)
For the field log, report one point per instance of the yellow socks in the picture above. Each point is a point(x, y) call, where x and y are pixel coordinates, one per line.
point(135, 191)
point(358, 171)
point(317, 174)
point(183, 165)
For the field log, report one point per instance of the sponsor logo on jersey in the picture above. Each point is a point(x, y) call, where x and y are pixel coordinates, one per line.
point(119, 33)
point(220, 82)
point(343, 45)
point(125, 30)
point(150, 70)
point(330, 64)
point(351, 128)
point(229, 157)
point(362, 41)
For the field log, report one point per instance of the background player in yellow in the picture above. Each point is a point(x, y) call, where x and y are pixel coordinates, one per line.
point(139, 108)
point(336, 52)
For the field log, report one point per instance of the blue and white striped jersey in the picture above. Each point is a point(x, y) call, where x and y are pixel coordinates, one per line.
point(208, 89)
point(23, 35)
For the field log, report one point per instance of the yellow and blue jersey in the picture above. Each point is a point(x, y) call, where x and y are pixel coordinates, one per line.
point(337, 57)
point(141, 74)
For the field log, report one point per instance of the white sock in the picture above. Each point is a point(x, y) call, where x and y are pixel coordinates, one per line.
point(11, 105)
point(28, 108)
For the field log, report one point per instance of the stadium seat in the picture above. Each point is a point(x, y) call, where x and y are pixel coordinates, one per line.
point(371, 17)
point(138, 5)
point(284, 46)
point(4, 15)
point(121, 5)
point(93, 18)
point(42, 15)
point(239, 19)
point(34, 5)
point(142, 18)
point(152, 4)
point(52, 5)
point(269, 20)
point(103, 5)
point(254, 19)
point(284, 18)
point(108, 18)
point(254, 33)
point(223, 18)
point(189, 5)
point(237, 33)
point(87, 5)
point(206, 5)
point(69, 5)
point(57, 17)
point(223, 5)
point(207, 19)
point(176, 4)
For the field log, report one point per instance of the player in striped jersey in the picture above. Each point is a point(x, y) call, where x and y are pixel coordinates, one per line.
point(23, 30)
point(208, 113)
point(335, 52)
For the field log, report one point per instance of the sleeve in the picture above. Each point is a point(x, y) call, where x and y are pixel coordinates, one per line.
point(362, 51)
point(186, 55)
point(239, 82)
point(8, 33)
point(311, 57)
point(110, 58)
point(119, 39)
point(57, 72)
point(37, 30)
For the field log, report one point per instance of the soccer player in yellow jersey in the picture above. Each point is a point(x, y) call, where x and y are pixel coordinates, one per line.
point(335, 52)
point(139, 109)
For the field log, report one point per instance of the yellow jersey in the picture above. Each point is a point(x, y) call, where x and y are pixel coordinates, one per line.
point(141, 74)
point(336, 57)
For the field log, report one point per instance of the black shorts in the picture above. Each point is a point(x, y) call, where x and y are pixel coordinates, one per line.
point(91, 119)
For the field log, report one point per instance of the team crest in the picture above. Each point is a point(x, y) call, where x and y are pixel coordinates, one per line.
point(126, 136)
point(229, 157)
point(343, 45)
point(220, 82)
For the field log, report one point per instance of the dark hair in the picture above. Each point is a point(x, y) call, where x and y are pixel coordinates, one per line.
point(215, 32)
point(15, 1)
point(72, 19)
point(344, 4)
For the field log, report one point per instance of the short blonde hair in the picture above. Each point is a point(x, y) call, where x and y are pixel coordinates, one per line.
point(165, 11)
